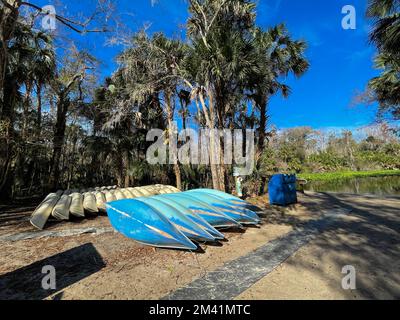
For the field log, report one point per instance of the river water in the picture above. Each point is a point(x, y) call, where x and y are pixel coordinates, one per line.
point(373, 185)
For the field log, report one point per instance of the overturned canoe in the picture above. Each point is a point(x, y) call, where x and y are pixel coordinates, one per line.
point(119, 195)
point(61, 209)
point(165, 188)
point(76, 208)
point(140, 222)
point(236, 212)
point(232, 200)
point(135, 192)
point(128, 194)
point(143, 192)
point(110, 197)
point(100, 201)
point(213, 216)
point(89, 203)
point(43, 211)
point(179, 220)
point(193, 216)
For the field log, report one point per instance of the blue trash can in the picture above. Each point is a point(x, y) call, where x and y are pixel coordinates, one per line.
point(282, 189)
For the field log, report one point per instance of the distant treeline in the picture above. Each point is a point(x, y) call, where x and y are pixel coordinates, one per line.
point(61, 127)
point(304, 150)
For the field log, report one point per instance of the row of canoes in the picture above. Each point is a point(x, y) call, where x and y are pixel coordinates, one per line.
point(180, 220)
point(62, 205)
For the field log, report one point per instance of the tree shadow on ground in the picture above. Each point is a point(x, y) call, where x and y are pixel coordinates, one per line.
point(71, 266)
point(368, 239)
point(15, 214)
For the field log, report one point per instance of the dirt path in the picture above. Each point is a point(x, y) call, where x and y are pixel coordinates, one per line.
point(110, 266)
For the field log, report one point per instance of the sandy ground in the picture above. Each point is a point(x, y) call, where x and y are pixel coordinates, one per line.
point(110, 266)
point(368, 240)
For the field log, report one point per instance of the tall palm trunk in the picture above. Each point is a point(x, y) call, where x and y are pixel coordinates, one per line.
point(125, 166)
point(39, 110)
point(172, 144)
point(58, 142)
point(210, 121)
point(27, 104)
point(7, 146)
point(8, 18)
point(8, 90)
point(262, 135)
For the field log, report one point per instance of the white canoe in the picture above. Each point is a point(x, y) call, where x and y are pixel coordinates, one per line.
point(135, 193)
point(171, 189)
point(119, 195)
point(89, 203)
point(143, 191)
point(61, 209)
point(153, 190)
point(128, 194)
point(100, 201)
point(110, 197)
point(43, 211)
point(76, 208)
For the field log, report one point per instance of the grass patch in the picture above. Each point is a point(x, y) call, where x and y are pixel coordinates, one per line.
point(330, 176)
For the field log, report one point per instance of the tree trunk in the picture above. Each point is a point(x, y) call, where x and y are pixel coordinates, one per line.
point(172, 144)
point(210, 120)
point(7, 138)
point(223, 177)
point(8, 18)
point(125, 166)
point(27, 103)
point(58, 142)
point(184, 119)
point(262, 135)
point(39, 110)
point(214, 167)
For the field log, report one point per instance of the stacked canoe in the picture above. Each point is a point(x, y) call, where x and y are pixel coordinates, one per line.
point(63, 205)
point(179, 220)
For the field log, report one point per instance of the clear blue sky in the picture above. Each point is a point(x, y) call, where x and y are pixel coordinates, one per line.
point(341, 60)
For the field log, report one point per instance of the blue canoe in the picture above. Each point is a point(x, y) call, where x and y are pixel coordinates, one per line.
point(213, 216)
point(142, 223)
point(179, 220)
point(193, 216)
point(236, 212)
point(232, 200)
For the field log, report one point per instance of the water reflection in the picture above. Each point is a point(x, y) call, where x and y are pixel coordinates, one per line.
point(376, 185)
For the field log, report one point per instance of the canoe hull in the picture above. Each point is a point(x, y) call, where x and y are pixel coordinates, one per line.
point(216, 218)
point(238, 213)
point(140, 222)
point(179, 220)
point(194, 217)
point(232, 200)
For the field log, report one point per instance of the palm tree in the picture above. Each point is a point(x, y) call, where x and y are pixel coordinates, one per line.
point(40, 70)
point(386, 32)
point(277, 56)
point(44, 68)
point(218, 62)
point(26, 47)
point(68, 88)
point(184, 98)
point(386, 36)
point(148, 69)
